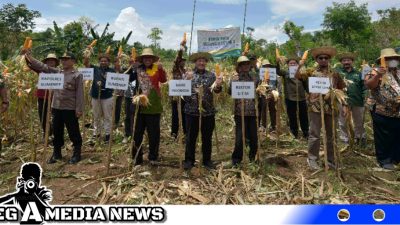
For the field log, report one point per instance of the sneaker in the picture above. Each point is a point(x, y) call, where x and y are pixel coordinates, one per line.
point(332, 165)
point(388, 166)
point(125, 140)
point(313, 164)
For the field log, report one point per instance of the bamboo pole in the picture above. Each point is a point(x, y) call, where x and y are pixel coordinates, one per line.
point(243, 128)
point(46, 133)
point(84, 116)
point(133, 143)
point(216, 131)
point(258, 155)
point(180, 132)
point(278, 121)
point(323, 129)
point(266, 120)
point(200, 96)
point(335, 150)
point(111, 134)
point(32, 140)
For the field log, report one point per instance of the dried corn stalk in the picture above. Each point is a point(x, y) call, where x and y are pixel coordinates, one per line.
point(141, 100)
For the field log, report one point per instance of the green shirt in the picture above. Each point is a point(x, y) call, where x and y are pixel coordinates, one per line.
point(356, 90)
point(155, 106)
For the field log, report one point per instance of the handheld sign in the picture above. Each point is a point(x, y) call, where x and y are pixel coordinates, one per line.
point(243, 90)
point(365, 70)
point(272, 74)
point(292, 71)
point(87, 73)
point(117, 81)
point(180, 88)
point(51, 81)
point(319, 85)
point(262, 73)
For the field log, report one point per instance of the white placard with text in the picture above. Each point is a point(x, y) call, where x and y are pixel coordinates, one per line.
point(117, 81)
point(292, 71)
point(319, 85)
point(365, 70)
point(51, 81)
point(87, 73)
point(243, 90)
point(180, 88)
point(272, 73)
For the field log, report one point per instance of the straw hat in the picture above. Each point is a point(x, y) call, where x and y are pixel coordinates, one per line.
point(347, 55)
point(388, 53)
point(326, 50)
point(242, 59)
point(146, 53)
point(265, 62)
point(200, 55)
point(51, 56)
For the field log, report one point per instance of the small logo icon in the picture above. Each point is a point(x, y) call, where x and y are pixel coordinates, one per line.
point(30, 198)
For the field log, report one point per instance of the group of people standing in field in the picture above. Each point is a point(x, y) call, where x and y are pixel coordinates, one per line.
point(378, 91)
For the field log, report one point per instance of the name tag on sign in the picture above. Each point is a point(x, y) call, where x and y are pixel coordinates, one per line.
point(272, 73)
point(319, 85)
point(365, 70)
point(117, 81)
point(180, 88)
point(51, 81)
point(243, 90)
point(292, 71)
point(87, 73)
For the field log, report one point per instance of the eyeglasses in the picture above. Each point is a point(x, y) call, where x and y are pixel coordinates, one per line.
point(323, 58)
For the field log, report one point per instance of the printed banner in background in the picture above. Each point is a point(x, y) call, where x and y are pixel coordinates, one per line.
point(221, 43)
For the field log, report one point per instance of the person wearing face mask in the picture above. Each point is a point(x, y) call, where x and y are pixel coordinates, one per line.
point(295, 96)
point(250, 121)
point(102, 101)
point(356, 92)
point(322, 56)
point(150, 74)
point(201, 78)
point(384, 104)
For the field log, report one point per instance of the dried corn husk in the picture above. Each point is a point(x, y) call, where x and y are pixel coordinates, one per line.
point(275, 94)
point(338, 95)
point(133, 54)
point(141, 100)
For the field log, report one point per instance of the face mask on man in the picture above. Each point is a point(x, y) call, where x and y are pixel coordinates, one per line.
point(394, 63)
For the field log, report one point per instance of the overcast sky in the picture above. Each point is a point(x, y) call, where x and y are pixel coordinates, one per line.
point(174, 17)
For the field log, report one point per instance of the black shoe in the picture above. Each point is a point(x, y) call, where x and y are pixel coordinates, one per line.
point(55, 157)
point(209, 165)
point(76, 157)
point(235, 164)
point(107, 138)
point(188, 165)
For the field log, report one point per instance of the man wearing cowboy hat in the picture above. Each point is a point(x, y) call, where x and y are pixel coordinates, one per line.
point(322, 56)
point(295, 96)
point(67, 105)
point(177, 73)
point(243, 68)
point(384, 104)
point(102, 101)
point(150, 75)
point(52, 61)
point(356, 93)
point(269, 99)
point(202, 81)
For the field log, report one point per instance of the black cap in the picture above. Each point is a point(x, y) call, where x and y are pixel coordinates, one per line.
point(68, 55)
